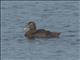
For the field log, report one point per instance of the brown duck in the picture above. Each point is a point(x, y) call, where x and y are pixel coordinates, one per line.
point(33, 32)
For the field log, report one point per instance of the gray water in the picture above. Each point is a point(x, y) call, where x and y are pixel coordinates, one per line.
point(59, 16)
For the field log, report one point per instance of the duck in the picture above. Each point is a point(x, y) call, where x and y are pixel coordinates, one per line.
point(31, 32)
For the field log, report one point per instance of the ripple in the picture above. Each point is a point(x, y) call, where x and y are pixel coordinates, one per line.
point(67, 26)
point(75, 43)
point(20, 40)
point(70, 35)
point(4, 8)
point(70, 7)
point(78, 40)
point(75, 14)
point(7, 32)
point(72, 31)
point(18, 7)
point(6, 39)
point(23, 12)
point(59, 51)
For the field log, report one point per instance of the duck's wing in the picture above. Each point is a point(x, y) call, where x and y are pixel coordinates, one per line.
point(42, 31)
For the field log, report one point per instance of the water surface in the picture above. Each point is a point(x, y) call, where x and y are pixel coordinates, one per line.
point(59, 16)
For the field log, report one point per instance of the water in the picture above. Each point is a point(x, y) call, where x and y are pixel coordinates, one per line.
point(59, 16)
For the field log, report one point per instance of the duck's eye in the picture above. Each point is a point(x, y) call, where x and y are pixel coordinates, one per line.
point(31, 24)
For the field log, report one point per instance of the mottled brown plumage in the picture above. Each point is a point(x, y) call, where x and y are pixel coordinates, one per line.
point(33, 32)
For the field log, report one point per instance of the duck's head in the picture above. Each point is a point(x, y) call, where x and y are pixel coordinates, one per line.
point(30, 26)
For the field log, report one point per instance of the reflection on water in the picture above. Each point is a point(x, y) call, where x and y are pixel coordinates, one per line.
point(54, 16)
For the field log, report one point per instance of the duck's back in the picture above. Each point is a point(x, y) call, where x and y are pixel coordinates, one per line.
point(40, 30)
point(41, 33)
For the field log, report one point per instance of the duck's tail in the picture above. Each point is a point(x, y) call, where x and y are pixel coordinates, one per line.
point(55, 34)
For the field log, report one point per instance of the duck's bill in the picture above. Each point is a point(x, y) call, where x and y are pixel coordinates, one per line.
point(26, 29)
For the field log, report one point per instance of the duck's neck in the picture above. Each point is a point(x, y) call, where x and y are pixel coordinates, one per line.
point(32, 30)
point(30, 33)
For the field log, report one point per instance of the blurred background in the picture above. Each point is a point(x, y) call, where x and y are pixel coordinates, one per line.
point(59, 16)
